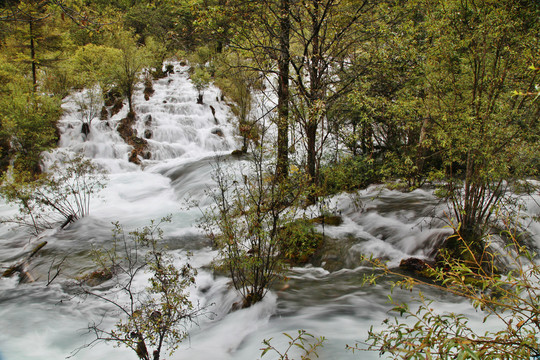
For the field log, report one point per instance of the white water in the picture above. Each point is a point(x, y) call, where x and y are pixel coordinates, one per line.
point(40, 322)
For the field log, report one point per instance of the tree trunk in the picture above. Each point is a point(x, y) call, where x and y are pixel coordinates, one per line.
point(33, 54)
point(420, 151)
point(311, 135)
point(282, 169)
point(316, 95)
point(129, 96)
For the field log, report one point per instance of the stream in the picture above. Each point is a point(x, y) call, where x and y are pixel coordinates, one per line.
point(325, 298)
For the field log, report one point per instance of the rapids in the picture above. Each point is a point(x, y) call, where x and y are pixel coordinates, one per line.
point(326, 299)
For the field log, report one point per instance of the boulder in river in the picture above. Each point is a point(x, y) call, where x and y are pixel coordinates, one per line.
point(414, 264)
point(218, 132)
point(332, 220)
point(97, 277)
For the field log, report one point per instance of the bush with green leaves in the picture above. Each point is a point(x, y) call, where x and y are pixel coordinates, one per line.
point(507, 297)
point(154, 317)
point(62, 194)
point(248, 224)
point(304, 342)
point(349, 174)
point(27, 127)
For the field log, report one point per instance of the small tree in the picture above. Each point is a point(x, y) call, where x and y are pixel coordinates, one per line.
point(248, 224)
point(201, 80)
point(128, 67)
point(238, 81)
point(27, 126)
point(157, 316)
point(89, 107)
point(473, 65)
point(61, 195)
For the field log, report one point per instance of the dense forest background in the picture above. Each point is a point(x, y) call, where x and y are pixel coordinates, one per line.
point(415, 90)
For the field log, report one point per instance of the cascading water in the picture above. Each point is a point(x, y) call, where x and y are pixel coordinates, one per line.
point(326, 299)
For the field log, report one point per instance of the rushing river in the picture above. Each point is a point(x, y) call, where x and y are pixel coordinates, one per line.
point(325, 298)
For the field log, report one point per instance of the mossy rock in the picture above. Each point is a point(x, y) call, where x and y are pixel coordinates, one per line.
point(237, 153)
point(97, 277)
point(129, 135)
point(331, 220)
point(473, 253)
point(299, 242)
point(159, 74)
point(104, 113)
point(148, 91)
point(118, 105)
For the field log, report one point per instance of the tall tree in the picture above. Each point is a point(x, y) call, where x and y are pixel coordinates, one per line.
point(284, 60)
point(264, 34)
point(133, 58)
point(325, 33)
point(478, 57)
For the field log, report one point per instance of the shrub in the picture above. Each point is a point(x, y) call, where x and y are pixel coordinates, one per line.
point(349, 174)
point(153, 317)
point(510, 297)
point(61, 195)
point(306, 343)
point(248, 223)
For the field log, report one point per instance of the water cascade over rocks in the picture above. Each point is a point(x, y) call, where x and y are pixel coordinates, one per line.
point(182, 139)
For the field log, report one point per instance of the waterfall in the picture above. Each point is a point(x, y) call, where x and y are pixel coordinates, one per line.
point(183, 137)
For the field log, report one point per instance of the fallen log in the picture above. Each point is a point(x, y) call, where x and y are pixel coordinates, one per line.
point(21, 267)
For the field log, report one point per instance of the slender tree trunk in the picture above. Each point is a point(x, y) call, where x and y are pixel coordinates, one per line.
point(283, 91)
point(311, 134)
point(420, 152)
point(316, 94)
point(33, 54)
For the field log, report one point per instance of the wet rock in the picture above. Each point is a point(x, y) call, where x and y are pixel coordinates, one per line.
point(148, 91)
point(111, 96)
point(147, 134)
point(134, 158)
point(85, 129)
point(214, 114)
point(332, 220)
point(218, 132)
point(148, 120)
point(126, 131)
point(169, 69)
point(97, 277)
point(118, 105)
point(237, 153)
point(414, 264)
point(159, 74)
point(104, 114)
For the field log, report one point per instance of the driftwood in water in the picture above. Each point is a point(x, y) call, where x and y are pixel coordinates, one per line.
point(69, 220)
point(21, 266)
